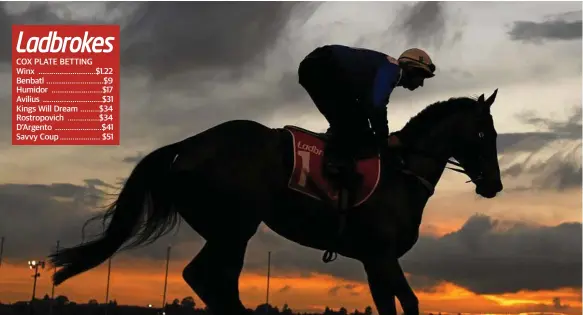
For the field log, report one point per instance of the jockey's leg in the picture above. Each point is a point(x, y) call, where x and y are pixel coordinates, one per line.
point(348, 134)
point(323, 80)
point(316, 74)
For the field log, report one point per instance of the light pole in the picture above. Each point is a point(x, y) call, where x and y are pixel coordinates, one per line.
point(1, 249)
point(33, 265)
point(268, 276)
point(166, 279)
point(52, 304)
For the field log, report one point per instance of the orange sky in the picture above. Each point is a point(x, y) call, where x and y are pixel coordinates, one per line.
point(143, 284)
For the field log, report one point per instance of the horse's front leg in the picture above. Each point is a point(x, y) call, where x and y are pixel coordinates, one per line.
point(387, 281)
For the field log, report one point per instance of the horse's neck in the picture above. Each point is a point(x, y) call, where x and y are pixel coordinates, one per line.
point(437, 148)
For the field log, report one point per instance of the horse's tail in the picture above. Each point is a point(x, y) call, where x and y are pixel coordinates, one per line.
point(143, 211)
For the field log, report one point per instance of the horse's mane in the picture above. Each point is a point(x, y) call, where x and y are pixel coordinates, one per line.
point(419, 124)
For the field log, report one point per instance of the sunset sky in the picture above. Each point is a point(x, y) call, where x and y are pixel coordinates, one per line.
point(183, 72)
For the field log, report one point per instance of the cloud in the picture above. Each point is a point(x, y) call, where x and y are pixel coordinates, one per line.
point(42, 214)
point(524, 141)
point(570, 128)
point(134, 159)
point(169, 38)
point(550, 159)
point(285, 288)
point(550, 30)
point(488, 256)
point(424, 23)
point(348, 287)
point(485, 256)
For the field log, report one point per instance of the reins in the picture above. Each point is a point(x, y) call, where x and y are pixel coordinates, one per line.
point(447, 161)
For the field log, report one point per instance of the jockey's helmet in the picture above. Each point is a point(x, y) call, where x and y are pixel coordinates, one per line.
point(417, 58)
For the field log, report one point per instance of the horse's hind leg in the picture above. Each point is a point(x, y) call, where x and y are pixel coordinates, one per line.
point(214, 275)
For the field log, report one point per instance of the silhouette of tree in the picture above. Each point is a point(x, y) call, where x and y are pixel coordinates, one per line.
point(266, 309)
point(188, 302)
point(46, 297)
point(186, 307)
point(61, 300)
point(285, 310)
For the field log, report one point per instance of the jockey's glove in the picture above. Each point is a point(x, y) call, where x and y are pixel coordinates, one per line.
point(380, 124)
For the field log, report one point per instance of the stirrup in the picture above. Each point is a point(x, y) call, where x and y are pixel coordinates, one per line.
point(342, 206)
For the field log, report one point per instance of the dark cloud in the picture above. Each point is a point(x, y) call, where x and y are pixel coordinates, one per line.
point(423, 283)
point(571, 128)
point(95, 183)
point(480, 256)
point(348, 287)
point(556, 29)
point(133, 159)
point(285, 288)
point(173, 37)
point(558, 170)
point(425, 23)
point(33, 14)
point(489, 257)
point(524, 141)
point(34, 217)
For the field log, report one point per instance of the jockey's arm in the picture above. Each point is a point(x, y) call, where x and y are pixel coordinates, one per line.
point(378, 98)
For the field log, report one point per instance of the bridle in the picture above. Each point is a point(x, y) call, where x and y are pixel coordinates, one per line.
point(430, 187)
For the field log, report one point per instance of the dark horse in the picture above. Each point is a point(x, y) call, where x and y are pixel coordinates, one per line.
point(228, 179)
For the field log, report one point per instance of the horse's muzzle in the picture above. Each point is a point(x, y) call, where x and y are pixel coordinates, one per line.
point(489, 189)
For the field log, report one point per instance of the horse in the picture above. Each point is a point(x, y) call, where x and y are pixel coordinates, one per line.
point(231, 177)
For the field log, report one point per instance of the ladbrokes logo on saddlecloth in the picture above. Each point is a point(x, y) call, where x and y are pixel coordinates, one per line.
point(53, 43)
point(65, 84)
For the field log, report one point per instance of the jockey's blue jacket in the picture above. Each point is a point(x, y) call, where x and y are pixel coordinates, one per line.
point(372, 74)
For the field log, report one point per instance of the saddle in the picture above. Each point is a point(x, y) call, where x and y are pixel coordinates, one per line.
point(347, 182)
point(342, 172)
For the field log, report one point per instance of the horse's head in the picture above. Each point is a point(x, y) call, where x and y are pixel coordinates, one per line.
point(475, 148)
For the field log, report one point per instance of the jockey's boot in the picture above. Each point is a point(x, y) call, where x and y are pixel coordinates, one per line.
point(339, 161)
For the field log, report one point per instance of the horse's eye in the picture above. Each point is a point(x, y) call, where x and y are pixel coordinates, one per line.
point(481, 134)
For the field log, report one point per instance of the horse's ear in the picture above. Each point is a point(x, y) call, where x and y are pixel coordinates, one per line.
point(491, 99)
point(481, 99)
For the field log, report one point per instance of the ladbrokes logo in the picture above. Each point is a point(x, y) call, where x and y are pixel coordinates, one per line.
point(53, 43)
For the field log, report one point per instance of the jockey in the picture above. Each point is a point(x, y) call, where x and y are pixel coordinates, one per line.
point(351, 87)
